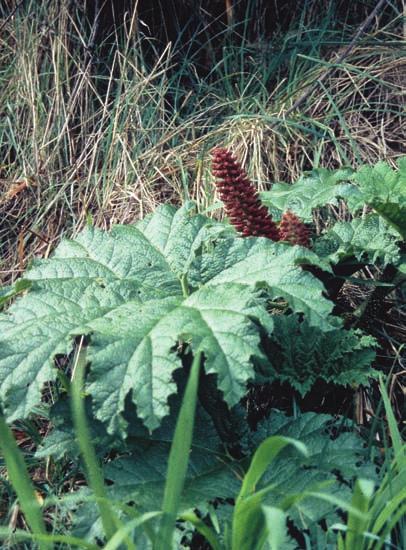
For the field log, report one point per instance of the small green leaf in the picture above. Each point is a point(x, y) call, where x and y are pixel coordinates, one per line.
point(8, 292)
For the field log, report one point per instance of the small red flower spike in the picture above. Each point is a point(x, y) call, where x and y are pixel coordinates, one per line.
point(240, 198)
point(293, 230)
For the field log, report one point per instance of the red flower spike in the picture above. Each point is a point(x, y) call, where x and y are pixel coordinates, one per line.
point(293, 230)
point(240, 198)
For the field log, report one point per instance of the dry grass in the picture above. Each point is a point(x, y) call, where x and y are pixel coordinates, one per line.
point(82, 138)
point(357, 117)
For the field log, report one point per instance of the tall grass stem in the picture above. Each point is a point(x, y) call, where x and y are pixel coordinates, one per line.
point(84, 440)
point(20, 479)
point(179, 457)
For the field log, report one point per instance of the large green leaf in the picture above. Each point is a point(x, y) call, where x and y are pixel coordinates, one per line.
point(275, 266)
point(141, 477)
point(138, 475)
point(177, 234)
point(86, 279)
point(139, 291)
point(336, 458)
point(369, 238)
point(384, 189)
point(133, 349)
point(132, 346)
point(321, 187)
point(141, 474)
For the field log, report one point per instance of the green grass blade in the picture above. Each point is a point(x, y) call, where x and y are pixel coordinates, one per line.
point(290, 501)
point(340, 528)
point(340, 542)
point(208, 533)
point(92, 469)
point(179, 457)
point(361, 499)
point(264, 455)
point(19, 535)
point(124, 531)
point(397, 443)
point(248, 525)
point(388, 511)
point(398, 516)
point(20, 479)
point(275, 521)
point(389, 488)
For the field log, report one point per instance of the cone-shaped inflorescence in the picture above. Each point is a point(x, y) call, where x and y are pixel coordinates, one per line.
point(240, 198)
point(293, 230)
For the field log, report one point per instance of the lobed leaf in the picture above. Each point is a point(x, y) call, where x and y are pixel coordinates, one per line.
point(177, 234)
point(320, 188)
point(133, 350)
point(302, 355)
point(336, 457)
point(369, 237)
point(384, 189)
point(140, 291)
point(259, 262)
